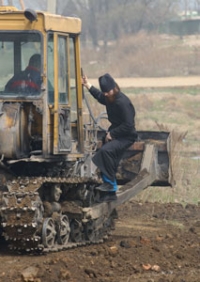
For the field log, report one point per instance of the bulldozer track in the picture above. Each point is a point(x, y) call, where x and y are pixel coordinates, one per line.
point(23, 221)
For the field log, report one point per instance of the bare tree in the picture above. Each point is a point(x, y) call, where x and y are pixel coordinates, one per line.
point(107, 20)
point(197, 5)
point(158, 12)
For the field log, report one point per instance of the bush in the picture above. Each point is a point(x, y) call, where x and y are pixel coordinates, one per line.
point(145, 55)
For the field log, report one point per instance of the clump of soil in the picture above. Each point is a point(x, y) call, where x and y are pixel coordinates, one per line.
point(152, 242)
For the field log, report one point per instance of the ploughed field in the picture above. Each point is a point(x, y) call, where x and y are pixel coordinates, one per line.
point(152, 242)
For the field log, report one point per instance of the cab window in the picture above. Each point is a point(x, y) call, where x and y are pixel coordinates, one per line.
point(21, 64)
point(60, 77)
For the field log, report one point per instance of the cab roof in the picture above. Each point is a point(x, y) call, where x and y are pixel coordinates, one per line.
point(13, 19)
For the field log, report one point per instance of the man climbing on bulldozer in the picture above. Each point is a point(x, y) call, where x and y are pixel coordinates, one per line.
point(120, 135)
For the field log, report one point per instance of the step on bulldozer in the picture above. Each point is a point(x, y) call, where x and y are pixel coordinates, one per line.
point(48, 200)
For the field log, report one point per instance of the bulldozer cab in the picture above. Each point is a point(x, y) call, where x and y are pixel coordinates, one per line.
point(48, 190)
point(40, 85)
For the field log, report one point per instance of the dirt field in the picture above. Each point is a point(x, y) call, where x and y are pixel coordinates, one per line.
point(151, 243)
point(155, 82)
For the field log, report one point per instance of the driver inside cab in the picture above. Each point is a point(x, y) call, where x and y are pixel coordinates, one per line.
point(27, 81)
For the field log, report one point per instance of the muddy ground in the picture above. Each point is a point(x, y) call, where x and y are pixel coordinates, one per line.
point(152, 242)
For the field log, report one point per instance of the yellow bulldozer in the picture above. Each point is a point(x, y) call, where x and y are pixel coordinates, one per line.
point(48, 200)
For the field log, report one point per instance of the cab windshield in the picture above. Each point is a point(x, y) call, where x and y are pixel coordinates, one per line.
point(20, 68)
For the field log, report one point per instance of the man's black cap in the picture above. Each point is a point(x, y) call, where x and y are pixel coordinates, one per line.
point(106, 83)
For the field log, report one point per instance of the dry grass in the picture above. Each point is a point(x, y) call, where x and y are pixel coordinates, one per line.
point(175, 109)
point(179, 114)
point(145, 55)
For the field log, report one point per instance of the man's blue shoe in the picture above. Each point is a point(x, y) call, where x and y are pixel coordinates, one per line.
point(111, 182)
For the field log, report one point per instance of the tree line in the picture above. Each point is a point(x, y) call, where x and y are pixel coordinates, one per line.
point(107, 20)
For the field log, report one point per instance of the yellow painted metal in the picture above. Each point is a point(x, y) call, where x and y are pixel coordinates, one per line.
point(55, 127)
point(7, 8)
point(9, 121)
point(12, 19)
point(62, 24)
point(17, 21)
point(79, 93)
